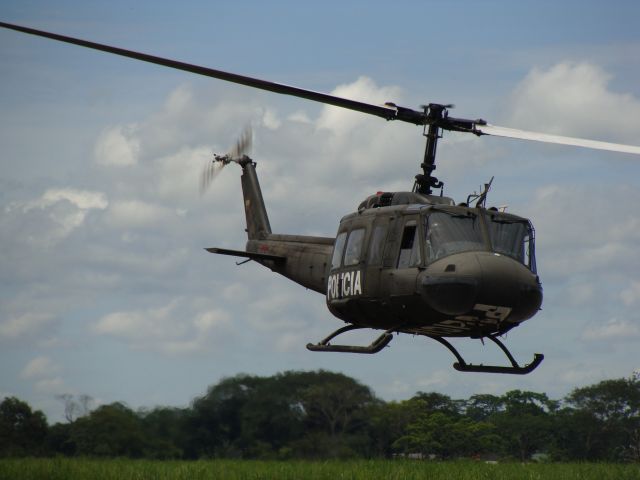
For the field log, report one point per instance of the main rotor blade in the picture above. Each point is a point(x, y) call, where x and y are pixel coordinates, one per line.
point(389, 112)
point(559, 139)
point(380, 111)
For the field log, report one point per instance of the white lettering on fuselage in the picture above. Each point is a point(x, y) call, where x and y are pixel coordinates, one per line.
point(344, 284)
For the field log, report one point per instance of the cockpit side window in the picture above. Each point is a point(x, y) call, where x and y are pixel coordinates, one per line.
point(512, 237)
point(376, 244)
point(353, 251)
point(338, 248)
point(409, 255)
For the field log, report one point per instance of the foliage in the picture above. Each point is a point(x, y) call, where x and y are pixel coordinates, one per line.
point(22, 431)
point(446, 436)
point(320, 415)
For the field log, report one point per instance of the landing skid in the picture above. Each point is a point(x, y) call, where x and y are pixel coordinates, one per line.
point(377, 345)
point(462, 366)
point(515, 368)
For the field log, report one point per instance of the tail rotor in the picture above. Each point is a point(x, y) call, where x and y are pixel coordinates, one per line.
point(237, 153)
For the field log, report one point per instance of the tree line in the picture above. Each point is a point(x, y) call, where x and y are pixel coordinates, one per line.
point(321, 414)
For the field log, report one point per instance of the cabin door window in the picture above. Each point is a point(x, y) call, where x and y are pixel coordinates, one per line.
point(409, 255)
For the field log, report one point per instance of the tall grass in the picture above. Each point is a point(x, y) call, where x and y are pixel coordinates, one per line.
point(123, 469)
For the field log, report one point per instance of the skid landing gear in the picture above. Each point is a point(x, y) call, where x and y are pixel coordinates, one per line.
point(377, 345)
point(515, 368)
point(462, 366)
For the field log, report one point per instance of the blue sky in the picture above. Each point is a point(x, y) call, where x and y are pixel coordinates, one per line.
point(106, 290)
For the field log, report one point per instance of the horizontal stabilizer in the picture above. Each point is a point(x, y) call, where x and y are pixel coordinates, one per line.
point(249, 255)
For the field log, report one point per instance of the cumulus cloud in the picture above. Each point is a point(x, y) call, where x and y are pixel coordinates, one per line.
point(82, 199)
point(39, 367)
point(613, 329)
point(341, 121)
point(172, 328)
point(631, 295)
point(117, 146)
point(53, 216)
point(579, 238)
point(138, 214)
point(574, 98)
point(24, 325)
point(50, 385)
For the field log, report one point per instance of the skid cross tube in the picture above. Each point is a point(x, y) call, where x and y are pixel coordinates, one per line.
point(515, 368)
point(377, 345)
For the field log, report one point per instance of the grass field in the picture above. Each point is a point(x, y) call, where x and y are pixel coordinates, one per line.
point(70, 469)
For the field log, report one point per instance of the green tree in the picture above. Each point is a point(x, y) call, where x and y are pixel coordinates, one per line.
point(337, 415)
point(607, 416)
point(437, 402)
point(164, 430)
point(60, 439)
point(112, 430)
point(448, 436)
point(483, 406)
point(389, 422)
point(22, 431)
point(274, 416)
point(526, 423)
point(294, 413)
point(336, 403)
point(214, 424)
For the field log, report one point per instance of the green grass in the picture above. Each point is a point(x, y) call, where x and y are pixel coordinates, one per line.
point(122, 469)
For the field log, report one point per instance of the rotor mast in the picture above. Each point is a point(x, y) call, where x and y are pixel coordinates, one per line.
point(425, 181)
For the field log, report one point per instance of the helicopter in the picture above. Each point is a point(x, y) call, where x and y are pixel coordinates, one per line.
point(413, 262)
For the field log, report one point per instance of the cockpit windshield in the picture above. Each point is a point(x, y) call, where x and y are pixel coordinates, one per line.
point(512, 237)
point(448, 233)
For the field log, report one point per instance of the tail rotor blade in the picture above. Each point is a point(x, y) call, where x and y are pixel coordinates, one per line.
point(209, 173)
point(236, 154)
point(243, 144)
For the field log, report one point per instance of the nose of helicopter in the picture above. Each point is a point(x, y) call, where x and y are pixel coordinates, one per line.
point(456, 284)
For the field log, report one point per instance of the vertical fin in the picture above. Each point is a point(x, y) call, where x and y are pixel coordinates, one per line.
point(258, 227)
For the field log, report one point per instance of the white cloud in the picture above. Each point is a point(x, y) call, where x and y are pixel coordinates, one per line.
point(118, 146)
point(435, 380)
point(39, 367)
point(52, 217)
point(50, 385)
point(176, 175)
point(139, 324)
point(300, 117)
point(341, 121)
point(579, 238)
point(631, 295)
point(236, 291)
point(23, 325)
point(290, 341)
point(613, 329)
point(211, 320)
point(574, 99)
point(138, 214)
point(270, 119)
point(172, 329)
point(82, 199)
point(581, 294)
point(180, 99)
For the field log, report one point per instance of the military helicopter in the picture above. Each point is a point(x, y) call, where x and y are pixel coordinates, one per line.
point(410, 262)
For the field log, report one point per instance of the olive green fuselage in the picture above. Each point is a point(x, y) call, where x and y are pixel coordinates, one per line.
point(393, 281)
